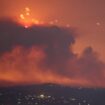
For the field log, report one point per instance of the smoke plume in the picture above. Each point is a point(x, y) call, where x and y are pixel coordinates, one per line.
point(43, 54)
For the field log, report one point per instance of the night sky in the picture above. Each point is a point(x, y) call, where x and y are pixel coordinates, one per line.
point(73, 50)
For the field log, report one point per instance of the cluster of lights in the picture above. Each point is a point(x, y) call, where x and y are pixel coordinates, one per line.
point(42, 99)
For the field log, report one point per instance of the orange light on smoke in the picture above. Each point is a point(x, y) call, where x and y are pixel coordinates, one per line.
point(26, 19)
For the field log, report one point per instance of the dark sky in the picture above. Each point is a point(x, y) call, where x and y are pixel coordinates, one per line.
point(87, 17)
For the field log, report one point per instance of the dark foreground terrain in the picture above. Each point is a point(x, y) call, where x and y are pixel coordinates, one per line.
point(51, 94)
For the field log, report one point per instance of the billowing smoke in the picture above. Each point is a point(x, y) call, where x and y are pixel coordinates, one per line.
point(43, 54)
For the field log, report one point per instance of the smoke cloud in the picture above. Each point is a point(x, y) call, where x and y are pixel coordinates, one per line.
point(43, 54)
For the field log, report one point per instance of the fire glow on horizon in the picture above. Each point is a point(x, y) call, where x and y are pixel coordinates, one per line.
point(27, 20)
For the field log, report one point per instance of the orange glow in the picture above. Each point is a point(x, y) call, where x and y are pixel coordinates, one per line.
point(29, 62)
point(27, 20)
point(20, 66)
point(27, 9)
point(22, 16)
